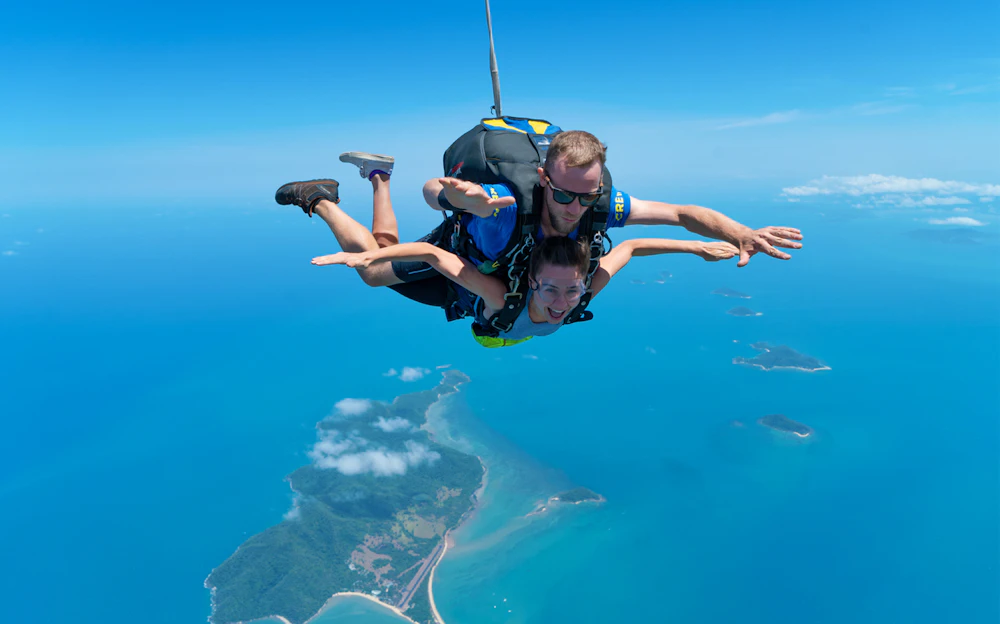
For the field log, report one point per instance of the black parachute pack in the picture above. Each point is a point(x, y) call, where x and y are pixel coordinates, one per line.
point(509, 151)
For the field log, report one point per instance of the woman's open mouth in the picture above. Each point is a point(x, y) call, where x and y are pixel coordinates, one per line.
point(556, 314)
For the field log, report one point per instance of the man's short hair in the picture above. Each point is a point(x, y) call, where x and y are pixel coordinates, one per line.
point(577, 149)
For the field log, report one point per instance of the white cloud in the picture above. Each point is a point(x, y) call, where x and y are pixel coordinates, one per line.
point(411, 373)
point(349, 456)
point(392, 372)
point(806, 191)
point(956, 221)
point(766, 120)
point(651, 350)
point(530, 357)
point(9, 252)
point(443, 366)
point(986, 199)
point(296, 511)
point(393, 424)
point(909, 202)
point(876, 190)
point(353, 407)
point(20, 243)
point(875, 184)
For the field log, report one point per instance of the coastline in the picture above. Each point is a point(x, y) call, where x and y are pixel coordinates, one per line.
point(476, 498)
point(447, 539)
point(359, 595)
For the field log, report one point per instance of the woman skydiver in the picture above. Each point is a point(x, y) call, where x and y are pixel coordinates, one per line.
point(557, 269)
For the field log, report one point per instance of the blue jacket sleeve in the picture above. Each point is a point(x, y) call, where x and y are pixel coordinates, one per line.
point(621, 205)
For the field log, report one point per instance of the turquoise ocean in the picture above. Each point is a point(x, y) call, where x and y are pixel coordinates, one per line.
point(163, 368)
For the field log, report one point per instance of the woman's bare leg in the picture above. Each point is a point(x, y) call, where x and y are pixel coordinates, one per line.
point(355, 237)
point(376, 168)
point(384, 227)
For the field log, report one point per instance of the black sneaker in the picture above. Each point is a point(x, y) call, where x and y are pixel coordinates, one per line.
point(306, 194)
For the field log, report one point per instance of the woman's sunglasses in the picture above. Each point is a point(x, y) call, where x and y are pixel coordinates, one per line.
point(566, 197)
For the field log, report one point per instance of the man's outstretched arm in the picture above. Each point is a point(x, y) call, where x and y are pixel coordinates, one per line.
point(708, 222)
point(462, 196)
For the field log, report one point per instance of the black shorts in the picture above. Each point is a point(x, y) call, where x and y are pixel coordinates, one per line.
point(421, 282)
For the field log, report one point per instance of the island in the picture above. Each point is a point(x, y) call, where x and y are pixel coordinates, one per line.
point(576, 496)
point(779, 422)
point(371, 516)
point(743, 311)
point(773, 357)
point(729, 292)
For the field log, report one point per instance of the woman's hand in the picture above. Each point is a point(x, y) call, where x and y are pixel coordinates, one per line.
point(354, 260)
point(713, 252)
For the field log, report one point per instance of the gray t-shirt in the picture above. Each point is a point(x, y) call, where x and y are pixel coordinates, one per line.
point(524, 327)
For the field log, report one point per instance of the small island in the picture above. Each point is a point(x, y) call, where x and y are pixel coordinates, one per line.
point(779, 422)
point(729, 292)
point(743, 311)
point(576, 496)
point(773, 357)
point(371, 517)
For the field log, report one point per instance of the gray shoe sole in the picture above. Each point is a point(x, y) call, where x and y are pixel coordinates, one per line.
point(356, 158)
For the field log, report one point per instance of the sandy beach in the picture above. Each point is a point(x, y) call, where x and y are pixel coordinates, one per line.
point(359, 595)
point(477, 499)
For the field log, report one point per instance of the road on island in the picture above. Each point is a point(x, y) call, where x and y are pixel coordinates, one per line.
point(418, 578)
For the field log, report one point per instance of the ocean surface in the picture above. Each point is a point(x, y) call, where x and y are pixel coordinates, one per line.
point(163, 368)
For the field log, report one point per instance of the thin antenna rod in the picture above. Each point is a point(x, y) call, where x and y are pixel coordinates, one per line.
point(494, 72)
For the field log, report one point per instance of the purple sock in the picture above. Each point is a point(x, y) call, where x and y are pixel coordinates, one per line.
point(375, 173)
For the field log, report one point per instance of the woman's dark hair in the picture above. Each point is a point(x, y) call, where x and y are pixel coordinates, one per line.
point(560, 251)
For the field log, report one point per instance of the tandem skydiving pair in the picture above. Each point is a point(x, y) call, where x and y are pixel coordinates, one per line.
point(523, 247)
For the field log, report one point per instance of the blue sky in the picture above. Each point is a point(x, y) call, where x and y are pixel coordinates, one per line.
point(228, 100)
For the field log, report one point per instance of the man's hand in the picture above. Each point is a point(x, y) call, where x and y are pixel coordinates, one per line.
point(765, 240)
point(360, 260)
point(713, 252)
point(471, 197)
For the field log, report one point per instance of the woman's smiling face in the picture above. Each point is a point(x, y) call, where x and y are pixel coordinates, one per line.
point(557, 290)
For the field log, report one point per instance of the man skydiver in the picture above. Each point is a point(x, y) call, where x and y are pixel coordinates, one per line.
point(571, 178)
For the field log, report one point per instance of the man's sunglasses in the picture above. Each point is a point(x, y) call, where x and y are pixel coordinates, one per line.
point(566, 197)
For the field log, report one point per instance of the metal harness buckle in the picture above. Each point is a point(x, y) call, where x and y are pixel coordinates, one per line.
point(456, 234)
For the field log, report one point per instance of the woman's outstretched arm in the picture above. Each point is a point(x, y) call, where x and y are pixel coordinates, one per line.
point(626, 250)
point(460, 271)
